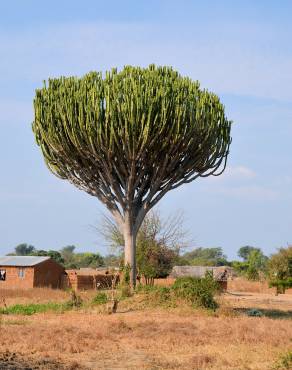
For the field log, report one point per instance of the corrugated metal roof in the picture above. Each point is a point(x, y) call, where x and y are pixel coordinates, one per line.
point(22, 261)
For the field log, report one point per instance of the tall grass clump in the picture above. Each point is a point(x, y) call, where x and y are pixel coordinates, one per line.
point(199, 292)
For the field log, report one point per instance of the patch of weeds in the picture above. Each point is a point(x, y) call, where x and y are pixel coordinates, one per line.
point(33, 308)
point(254, 313)
point(100, 298)
point(284, 362)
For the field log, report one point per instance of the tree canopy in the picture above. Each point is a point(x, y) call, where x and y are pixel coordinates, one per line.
point(129, 137)
point(204, 257)
point(245, 251)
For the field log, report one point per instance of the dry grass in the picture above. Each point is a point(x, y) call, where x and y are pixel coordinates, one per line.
point(157, 340)
point(148, 337)
point(243, 285)
point(38, 295)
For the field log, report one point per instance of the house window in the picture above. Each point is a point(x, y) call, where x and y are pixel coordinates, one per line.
point(21, 273)
point(2, 275)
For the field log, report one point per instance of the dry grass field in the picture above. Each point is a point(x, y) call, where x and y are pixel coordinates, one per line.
point(144, 336)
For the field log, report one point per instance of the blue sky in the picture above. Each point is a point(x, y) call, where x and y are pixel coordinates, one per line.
point(240, 50)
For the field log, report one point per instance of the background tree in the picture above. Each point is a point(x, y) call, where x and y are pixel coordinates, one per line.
point(254, 264)
point(24, 249)
point(88, 259)
point(204, 257)
point(55, 255)
point(280, 269)
point(67, 254)
point(245, 251)
point(130, 137)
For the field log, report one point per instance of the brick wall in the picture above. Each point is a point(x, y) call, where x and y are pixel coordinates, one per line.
point(79, 281)
point(14, 281)
point(48, 274)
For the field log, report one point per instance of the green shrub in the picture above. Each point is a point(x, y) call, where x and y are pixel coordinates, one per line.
point(197, 291)
point(281, 285)
point(100, 298)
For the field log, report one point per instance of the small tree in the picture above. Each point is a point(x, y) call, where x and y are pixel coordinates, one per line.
point(158, 242)
point(280, 269)
point(256, 264)
point(130, 137)
point(245, 251)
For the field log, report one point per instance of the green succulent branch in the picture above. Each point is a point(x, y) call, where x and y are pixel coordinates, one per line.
point(131, 136)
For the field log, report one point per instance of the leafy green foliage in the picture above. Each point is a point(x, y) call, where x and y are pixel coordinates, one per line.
point(198, 291)
point(32, 308)
point(88, 260)
point(281, 285)
point(204, 257)
point(254, 265)
point(55, 255)
point(158, 242)
point(280, 269)
point(130, 137)
point(100, 298)
point(280, 264)
point(245, 251)
point(153, 259)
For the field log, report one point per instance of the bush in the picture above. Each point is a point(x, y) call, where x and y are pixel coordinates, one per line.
point(281, 285)
point(100, 298)
point(198, 291)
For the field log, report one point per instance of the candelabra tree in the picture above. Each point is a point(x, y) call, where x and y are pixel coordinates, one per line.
point(130, 137)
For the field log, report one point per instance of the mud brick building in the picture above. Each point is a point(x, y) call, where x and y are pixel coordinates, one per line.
point(26, 272)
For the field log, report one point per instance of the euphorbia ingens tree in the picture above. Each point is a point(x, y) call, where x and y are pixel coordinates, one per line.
point(130, 137)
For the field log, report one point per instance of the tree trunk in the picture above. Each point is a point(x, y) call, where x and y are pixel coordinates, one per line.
point(130, 251)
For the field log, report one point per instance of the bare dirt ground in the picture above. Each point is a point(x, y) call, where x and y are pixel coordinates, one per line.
point(138, 337)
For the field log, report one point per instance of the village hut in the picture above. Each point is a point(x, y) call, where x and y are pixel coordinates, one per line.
point(26, 272)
